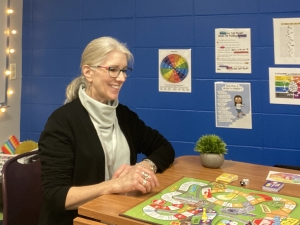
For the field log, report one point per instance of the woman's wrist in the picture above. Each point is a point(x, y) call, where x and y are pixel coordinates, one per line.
point(150, 163)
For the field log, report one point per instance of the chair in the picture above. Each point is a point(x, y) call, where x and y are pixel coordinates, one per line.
point(22, 189)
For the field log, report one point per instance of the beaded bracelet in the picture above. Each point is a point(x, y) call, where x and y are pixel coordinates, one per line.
point(153, 166)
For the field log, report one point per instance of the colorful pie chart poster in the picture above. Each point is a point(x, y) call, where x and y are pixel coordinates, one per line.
point(284, 86)
point(174, 70)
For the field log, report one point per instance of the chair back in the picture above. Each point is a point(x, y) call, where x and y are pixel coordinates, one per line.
point(22, 190)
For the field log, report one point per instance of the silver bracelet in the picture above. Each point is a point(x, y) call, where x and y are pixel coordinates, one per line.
point(153, 166)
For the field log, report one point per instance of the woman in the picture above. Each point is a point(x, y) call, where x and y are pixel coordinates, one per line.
point(238, 103)
point(89, 146)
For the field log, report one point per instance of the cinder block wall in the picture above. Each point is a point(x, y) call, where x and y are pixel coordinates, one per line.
point(55, 33)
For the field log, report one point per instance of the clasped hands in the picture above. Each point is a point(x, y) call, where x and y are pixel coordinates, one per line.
point(137, 177)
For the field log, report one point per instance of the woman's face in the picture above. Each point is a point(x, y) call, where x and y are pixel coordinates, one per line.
point(103, 87)
point(238, 99)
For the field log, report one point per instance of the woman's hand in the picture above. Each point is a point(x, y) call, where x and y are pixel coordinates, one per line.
point(126, 179)
point(124, 169)
point(130, 178)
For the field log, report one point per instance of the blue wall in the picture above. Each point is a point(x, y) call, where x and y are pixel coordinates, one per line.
point(56, 31)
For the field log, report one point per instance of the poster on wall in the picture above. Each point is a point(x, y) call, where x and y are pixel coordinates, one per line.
point(287, 40)
point(233, 50)
point(233, 105)
point(284, 86)
point(174, 70)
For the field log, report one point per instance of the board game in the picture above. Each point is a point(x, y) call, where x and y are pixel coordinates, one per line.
point(192, 201)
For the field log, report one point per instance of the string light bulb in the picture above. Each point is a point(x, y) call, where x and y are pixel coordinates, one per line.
point(10, 50)
point(9, 11)
point(3, 109)
point(7, 72)
point(10, 32)
point(10, 92)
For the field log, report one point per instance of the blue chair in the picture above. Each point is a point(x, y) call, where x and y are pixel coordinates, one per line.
point(22, 189)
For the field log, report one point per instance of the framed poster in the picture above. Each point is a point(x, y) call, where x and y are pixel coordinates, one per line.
point(284, 86)
point(233, 105)
point(175, 70)
point(286, 40)
point(233, 50)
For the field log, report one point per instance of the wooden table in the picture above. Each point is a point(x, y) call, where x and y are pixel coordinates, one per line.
point(107, 208)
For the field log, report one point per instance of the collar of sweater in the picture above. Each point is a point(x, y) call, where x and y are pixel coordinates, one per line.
point(104, 115)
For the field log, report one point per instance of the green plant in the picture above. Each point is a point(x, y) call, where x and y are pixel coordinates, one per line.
point(210, 144)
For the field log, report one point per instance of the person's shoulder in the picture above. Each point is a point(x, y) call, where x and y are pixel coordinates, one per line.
point(124, 109)
point(67, 109)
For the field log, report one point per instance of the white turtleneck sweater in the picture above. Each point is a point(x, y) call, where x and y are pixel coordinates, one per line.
point(113, 141)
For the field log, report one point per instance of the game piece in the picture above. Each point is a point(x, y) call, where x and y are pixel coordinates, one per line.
point(247, 182)
point(244, 182)
point(227, 178)
point(208, 193)
point(274, 186)
point(204, 216)
point(276, 220)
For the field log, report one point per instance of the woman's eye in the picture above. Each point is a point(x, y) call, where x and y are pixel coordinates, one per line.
point(113, 69)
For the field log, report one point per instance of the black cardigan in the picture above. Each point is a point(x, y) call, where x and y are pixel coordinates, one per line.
point(71, 155)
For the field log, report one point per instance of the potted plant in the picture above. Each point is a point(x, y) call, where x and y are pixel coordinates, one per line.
point(212, 149)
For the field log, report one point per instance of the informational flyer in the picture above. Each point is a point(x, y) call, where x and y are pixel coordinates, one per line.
point(233, 50)
point(284, 86)
point(174, 70)
point(287, 40)
point(233, 105)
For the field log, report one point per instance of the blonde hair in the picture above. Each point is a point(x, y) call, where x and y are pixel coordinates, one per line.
point(95, 52)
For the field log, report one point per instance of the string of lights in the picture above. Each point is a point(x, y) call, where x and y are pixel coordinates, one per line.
point(8, 32)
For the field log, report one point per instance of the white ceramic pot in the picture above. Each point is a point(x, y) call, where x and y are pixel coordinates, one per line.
point(213, 161)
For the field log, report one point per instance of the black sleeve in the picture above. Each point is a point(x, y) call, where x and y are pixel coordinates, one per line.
point(143, 139)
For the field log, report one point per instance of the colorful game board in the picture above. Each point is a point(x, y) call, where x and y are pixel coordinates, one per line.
point(191, 201)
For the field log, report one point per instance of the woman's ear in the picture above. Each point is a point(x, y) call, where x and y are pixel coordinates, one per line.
point(87, 73)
